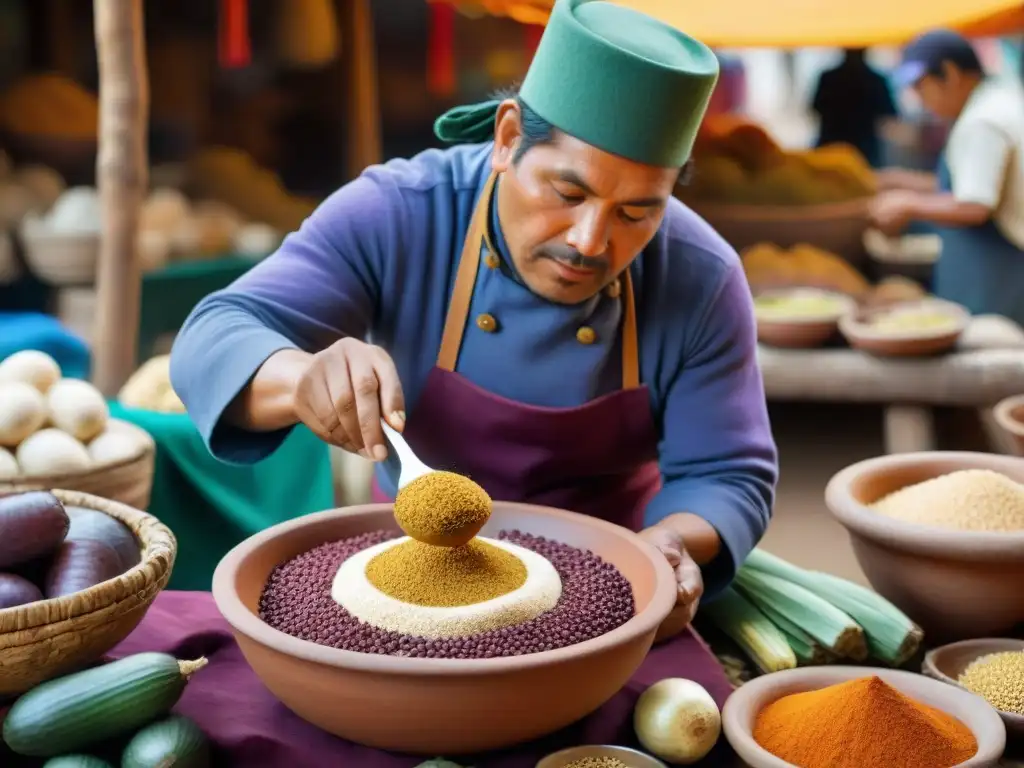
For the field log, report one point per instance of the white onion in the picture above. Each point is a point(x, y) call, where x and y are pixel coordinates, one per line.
point(677, 721)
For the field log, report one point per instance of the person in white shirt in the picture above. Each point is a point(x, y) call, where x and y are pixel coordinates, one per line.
point(976, 200)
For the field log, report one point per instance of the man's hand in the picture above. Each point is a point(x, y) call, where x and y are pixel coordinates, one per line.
point(891, 211)
point(689, 583)
point(344, 392)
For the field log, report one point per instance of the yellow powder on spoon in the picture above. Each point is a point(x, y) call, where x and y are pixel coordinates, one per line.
point(442, 508)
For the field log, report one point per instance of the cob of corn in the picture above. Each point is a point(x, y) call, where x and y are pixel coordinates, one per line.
point(761, 640)
point(830, 627)
point(808, 650)
point(891, 636)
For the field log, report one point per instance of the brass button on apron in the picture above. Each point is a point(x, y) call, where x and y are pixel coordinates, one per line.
point(486, 323)
point(586, 335)
point(492, 261)
point(613, 290)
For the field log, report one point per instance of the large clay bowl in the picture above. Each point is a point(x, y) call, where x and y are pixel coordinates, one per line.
point(449, 706)
point(955, 584)
point(948, 662)
point(745, 703)
point(1009, 415)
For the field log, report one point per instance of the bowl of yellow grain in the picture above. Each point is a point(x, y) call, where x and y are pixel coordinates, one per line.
point(799, 318)
point(600, 756)
point(941, 535)
point(917, 328)
point(990, 667)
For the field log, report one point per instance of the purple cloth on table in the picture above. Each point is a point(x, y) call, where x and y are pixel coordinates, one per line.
point(252, 729)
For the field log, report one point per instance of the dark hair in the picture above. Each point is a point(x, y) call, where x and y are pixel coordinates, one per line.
point(537, 131)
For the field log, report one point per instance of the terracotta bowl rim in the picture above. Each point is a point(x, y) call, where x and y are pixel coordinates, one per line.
point(249, 624)
point(926, 540)
point(851, 326)
point(1003, 413)
point(569, 752)
point(930, 668)
point(830, 676)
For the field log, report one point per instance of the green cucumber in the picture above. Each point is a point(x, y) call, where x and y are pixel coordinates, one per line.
point(176, 741)
point(71, 713)
point(76, 761)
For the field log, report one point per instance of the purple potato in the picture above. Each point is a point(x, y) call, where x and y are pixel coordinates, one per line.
point(90, 525)
point(15, 590)
point(80, 565)
point(31, 525)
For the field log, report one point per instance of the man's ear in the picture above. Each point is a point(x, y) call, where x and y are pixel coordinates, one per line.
point(507, 133)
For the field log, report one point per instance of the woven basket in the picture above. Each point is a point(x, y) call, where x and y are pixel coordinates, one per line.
point(129, 481)
point(49, 638)
point(835, 227)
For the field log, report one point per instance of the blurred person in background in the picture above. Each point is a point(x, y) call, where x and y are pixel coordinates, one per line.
point(851, 101)
point(976, 200)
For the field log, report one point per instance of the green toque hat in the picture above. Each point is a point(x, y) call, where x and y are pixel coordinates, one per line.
point(612, 77)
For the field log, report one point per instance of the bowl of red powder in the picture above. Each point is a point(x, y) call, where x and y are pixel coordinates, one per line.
point(859, 717)
point(443, 695)
point(940, 534)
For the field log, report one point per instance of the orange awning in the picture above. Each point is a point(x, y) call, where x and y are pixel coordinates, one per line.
point(801, 23)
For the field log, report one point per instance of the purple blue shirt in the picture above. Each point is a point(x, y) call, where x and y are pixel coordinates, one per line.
point(377, 261)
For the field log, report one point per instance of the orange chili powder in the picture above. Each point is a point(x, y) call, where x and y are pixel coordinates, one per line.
point(863, 723)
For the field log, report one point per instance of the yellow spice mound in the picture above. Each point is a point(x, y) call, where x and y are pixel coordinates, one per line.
point(442, 508)
point(966, 500)
point(737, 162)
point(768, 266)
point(422, 574)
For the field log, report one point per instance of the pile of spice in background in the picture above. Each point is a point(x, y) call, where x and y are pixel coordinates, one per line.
point(966, 500)
point(597, 762)
point(859, 723)
point(999, 679)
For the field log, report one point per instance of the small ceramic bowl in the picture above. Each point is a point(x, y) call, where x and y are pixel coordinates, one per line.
point(799, 330)
point(955, 585)
point(745, 703)
point(859, 330)
point(1009, 415)
point(630, 757)
point(948, 662)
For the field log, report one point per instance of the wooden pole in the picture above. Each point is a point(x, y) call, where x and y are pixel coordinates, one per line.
point(363, 104)
point(122, 169)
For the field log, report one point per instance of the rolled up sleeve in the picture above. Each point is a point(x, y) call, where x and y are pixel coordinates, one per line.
point(718, 457)
point(322, 284)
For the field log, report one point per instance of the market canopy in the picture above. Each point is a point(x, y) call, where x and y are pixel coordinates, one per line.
point(800, 23)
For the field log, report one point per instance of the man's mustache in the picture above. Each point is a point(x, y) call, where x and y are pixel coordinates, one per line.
point(573, 258)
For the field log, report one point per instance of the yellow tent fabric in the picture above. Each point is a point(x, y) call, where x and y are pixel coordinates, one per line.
point(802, 23)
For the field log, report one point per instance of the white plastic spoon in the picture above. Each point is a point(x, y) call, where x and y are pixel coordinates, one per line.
point(412, 467)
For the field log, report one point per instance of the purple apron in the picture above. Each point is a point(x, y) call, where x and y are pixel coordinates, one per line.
point(598, 459)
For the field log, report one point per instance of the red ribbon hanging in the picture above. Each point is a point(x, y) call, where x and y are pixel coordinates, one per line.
point(235, 50)
point(531, 39)
point(441, 74)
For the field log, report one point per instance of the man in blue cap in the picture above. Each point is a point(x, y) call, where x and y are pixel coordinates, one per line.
point(976, 202)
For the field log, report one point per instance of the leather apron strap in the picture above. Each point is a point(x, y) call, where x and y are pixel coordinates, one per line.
point(465, 282)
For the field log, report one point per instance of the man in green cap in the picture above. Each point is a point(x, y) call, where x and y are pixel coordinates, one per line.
point(531, 306)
